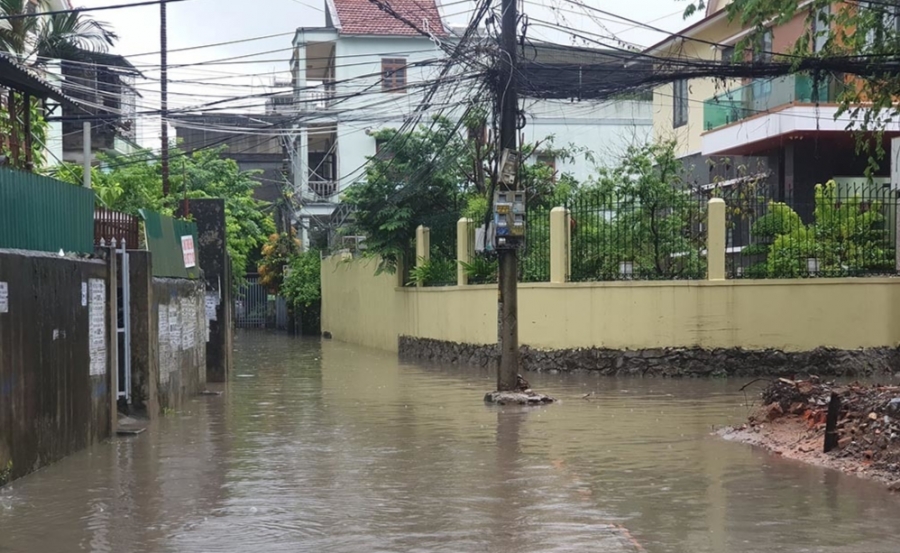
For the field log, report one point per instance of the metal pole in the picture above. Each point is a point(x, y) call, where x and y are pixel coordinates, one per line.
point(86, 154)
point(508, 370)
point(164, 96)
point(126, 305)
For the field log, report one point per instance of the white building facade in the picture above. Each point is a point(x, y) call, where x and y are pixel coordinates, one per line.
point(365, 70)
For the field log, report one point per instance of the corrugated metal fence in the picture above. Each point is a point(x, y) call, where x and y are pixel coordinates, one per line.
point(164, 240)
point(44, 214)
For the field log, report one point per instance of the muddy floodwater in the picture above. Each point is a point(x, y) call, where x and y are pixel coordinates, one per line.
point(330, 447)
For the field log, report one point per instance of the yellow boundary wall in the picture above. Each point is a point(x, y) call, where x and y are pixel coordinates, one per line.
point(789, 315)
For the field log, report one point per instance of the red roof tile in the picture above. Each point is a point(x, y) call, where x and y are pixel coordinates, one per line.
point(362, 17)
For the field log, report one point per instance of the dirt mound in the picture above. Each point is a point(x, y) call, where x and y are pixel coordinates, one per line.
point(867, 425)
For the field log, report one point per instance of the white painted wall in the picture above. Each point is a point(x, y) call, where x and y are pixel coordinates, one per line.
point(604, 128)
point(359, 58)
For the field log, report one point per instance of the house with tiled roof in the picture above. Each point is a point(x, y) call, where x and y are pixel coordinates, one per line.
point(367, 69)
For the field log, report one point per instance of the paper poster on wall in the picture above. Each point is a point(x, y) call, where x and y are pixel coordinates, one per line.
point(188, 323)
point(187, 249)
point(174, 328)
point(4, 297)
point(97, 327)
point(165, 348)
point(84, 294)
point(212, 303)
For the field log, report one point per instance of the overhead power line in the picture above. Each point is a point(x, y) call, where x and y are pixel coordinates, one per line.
point(94, 9)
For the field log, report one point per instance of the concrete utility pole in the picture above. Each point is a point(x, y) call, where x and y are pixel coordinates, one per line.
point(507, 373)
point(164, 95)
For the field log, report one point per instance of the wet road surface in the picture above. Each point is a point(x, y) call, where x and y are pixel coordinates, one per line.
point(329, 447)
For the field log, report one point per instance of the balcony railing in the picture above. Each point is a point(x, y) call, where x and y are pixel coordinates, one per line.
point(322, 191)
point(316, 99)
point(765, 95)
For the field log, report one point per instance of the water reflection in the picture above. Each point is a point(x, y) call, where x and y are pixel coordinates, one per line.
point(328, 447)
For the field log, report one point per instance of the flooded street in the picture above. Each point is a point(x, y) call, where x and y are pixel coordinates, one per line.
point(330, 447)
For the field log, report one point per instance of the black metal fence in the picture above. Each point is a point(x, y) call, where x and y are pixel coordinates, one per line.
point(534, 265)
point(656, 236)
point(841, 230)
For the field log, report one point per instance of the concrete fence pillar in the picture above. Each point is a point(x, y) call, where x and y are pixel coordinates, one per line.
point(423, 246)
point(465, 248)
point(144, 335)
point(560, 244)
point(715, 240)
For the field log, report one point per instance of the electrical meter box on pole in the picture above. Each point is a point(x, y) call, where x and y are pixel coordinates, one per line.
point(509, 205)
point(509, 218)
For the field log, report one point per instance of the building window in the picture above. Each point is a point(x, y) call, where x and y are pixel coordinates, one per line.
point(728, 54)
point(880, 36)
point(393, 74)
point(762, 88)
point(821, 29)
point(680, 103)
point(763, 52)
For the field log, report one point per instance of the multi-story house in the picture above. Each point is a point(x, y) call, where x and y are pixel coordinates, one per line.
point(366, 70)
point(252, 140)
point(103, 86)
point(784, 131)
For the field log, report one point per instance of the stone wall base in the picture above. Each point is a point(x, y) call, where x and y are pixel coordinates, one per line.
point(672, 362)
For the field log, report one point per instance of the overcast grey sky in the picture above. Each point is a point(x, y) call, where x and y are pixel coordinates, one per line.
point(201, 22)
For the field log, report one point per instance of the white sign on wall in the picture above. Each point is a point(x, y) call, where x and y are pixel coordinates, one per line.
point(174, 328)
point(188, 323)
point(4, 297)
point(165, 347)
point(97, 326)
point(187, 250)
point(212, 303)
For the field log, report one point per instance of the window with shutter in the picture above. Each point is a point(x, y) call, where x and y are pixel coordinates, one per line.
point(393, 75)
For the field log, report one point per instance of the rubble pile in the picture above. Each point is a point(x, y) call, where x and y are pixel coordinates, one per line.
point(868, 426)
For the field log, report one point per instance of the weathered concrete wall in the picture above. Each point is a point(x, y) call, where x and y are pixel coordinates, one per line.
point(214, 261)
point(775, 316)
point(179, 317)
point(144, 336)
point(55, 393)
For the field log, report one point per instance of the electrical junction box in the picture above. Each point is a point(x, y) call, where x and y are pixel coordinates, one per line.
point(509, 167)
point(509, 218)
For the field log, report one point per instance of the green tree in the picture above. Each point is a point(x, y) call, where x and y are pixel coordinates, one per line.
point(639, 213)
point(276, 254)
point(848, 237)
point(415, 179)
point(130, 183)
point(37, 40)
point(438, 173)
point(302, 289)
point(39, 128)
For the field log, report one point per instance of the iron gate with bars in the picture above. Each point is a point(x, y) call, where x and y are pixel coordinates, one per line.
point(255, 307)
